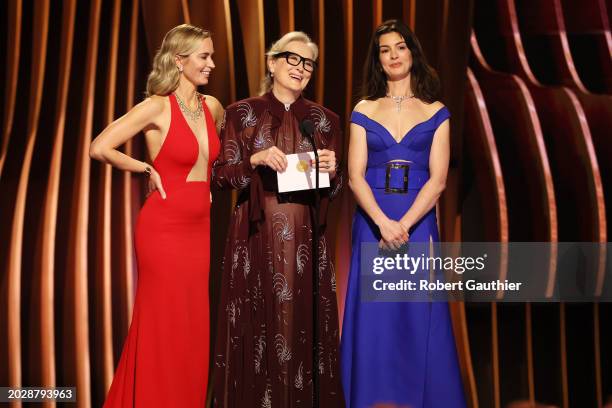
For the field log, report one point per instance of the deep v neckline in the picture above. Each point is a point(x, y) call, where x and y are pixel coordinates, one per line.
point(405, 134)
point(203, 101)
point(195, 137)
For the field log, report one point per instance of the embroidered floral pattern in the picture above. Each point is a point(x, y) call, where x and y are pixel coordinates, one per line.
point(322, 124)
point(301, 258)
point(263, 140)
point(232, 151)
point(247, 116)
point(260, 347)
point(299, 377)
point(282, 230)
point(281, 288)
point(282, 349)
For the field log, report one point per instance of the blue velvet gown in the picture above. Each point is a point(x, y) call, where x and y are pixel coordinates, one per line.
point(400, 353)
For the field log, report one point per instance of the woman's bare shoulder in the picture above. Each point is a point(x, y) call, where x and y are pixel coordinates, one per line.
point(434, 106)
point(214, 105)
point(154, 105)
point(366, 106)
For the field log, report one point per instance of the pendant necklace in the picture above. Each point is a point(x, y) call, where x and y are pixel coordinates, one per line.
point(399, 99)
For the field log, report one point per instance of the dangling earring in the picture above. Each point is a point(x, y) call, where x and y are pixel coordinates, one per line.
point(271, 74)
point(180, 69)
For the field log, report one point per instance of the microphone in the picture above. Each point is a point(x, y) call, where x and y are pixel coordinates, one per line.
point(307, 128)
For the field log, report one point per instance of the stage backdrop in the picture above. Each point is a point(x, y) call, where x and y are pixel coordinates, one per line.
point(528, 84)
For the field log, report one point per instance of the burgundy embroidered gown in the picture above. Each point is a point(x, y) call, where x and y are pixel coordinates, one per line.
point(165, 358)
point(263, 351)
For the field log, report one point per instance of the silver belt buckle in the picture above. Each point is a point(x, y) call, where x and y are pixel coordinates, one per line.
point(392, 190)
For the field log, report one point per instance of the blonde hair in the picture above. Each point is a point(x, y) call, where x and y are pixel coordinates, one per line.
point(181, 40)
point(278, 47)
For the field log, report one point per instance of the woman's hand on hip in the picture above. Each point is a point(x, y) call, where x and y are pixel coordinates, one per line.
point(155, 183)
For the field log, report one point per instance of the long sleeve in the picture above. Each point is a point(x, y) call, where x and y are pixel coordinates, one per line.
point(232, 169)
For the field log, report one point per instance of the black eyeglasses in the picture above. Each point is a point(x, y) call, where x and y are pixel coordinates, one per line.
point(295, 60)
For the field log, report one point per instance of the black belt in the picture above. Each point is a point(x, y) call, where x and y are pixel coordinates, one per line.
point(397, 178)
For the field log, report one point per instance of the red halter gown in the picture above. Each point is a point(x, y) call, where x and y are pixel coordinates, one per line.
point(164, 362)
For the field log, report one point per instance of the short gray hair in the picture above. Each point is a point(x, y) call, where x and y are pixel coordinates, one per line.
point(278, 47)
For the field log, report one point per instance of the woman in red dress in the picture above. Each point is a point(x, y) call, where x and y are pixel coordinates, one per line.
point(165, 357)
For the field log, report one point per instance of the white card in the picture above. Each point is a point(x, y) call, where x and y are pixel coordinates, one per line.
point(300, 175)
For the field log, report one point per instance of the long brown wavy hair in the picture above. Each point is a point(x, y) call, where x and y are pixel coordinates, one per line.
point(424, 80)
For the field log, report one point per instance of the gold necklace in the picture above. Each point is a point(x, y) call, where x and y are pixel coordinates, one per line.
point(399, 99)
point(192, 115)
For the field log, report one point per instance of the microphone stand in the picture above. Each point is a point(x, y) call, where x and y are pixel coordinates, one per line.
point(307, 128)
point(315, 282)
